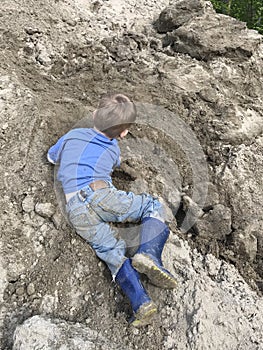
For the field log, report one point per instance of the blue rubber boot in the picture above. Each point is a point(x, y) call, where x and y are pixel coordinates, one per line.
point(147, 259)
point(143, 307)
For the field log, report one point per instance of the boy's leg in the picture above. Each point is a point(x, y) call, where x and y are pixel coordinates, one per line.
point(147, 259)
point(143, 307)
point(112, 251)
point(153, 236)
point(90, 219)
point(120, 206)
point(100, 237)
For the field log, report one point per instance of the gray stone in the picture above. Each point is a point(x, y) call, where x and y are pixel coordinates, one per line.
point(40, 332)
point(247, 244)
point(43, 55)
point(214, 324)
point(28, 204)
point(30, 289)
point(58, 219)
point(222, 39)
point(177, 14)
point(191, 207)
point(20, 291)
point(216, 223)
point(242, 179)
point(45, 209)
point(209, 95)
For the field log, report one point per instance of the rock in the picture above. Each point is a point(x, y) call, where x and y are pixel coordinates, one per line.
point(213, 323)
point(222, 39)
point(242, 179)
point(192, 213)
point(45, 209)
point(246, 243)
point(45, 333)
point(213, 265)
point(29, 48)
point(209, 95)
point(20, 291)
point(42, 55)
point(216, 223)
point(190, 206)
point(182, 254)
point(28, 204)
point(30, 289)
point(177, 14)
point(58, 219)
point(169, 214)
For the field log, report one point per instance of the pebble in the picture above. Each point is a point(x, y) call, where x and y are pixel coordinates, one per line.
point(20, 291)
point(12, 276)
point(30, 289)
point(135, 331)
point(45, 209)
point(28, 204)
point(88, 320)
point(41, 239)
point(57, 220)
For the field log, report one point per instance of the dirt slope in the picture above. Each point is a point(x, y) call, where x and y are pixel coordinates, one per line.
point(196, 77)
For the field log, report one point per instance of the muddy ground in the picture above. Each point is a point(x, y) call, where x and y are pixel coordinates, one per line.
point(197, 144)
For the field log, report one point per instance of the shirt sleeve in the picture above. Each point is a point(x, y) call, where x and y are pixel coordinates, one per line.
point(54, 151)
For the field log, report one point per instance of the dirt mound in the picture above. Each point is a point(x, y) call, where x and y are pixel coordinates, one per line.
point(196, 77)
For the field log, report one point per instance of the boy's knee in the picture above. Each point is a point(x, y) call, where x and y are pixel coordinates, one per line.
point(154, 208)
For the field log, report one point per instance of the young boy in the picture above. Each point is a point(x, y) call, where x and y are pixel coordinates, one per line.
point(86, 158)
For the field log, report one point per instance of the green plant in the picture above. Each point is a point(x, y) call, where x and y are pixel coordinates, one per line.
point(249, 11)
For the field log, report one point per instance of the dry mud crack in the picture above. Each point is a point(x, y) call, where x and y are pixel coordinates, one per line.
point(198, 144)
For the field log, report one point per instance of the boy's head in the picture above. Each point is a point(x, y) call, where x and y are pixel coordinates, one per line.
point(114, 115)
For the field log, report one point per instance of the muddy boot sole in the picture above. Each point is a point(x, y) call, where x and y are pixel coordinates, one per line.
point(144, 315)
point(157, 276)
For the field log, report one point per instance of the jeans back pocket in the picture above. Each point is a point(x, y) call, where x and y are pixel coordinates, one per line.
point(114, 202)
point(83, 216)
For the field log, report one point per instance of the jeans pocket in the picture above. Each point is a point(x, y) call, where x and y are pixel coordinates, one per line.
point(116, 202)
point(83, 216)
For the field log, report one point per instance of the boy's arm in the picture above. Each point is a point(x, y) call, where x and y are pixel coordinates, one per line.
point(54, 151)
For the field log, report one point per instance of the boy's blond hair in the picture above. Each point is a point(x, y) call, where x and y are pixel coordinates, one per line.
point(115, 114)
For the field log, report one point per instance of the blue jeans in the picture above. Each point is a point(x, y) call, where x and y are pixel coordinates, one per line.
point(90, 217)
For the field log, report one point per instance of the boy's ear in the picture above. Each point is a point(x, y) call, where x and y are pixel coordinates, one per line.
point(124, 133)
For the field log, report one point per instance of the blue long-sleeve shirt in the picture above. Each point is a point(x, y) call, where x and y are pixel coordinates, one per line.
point(84, 155)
